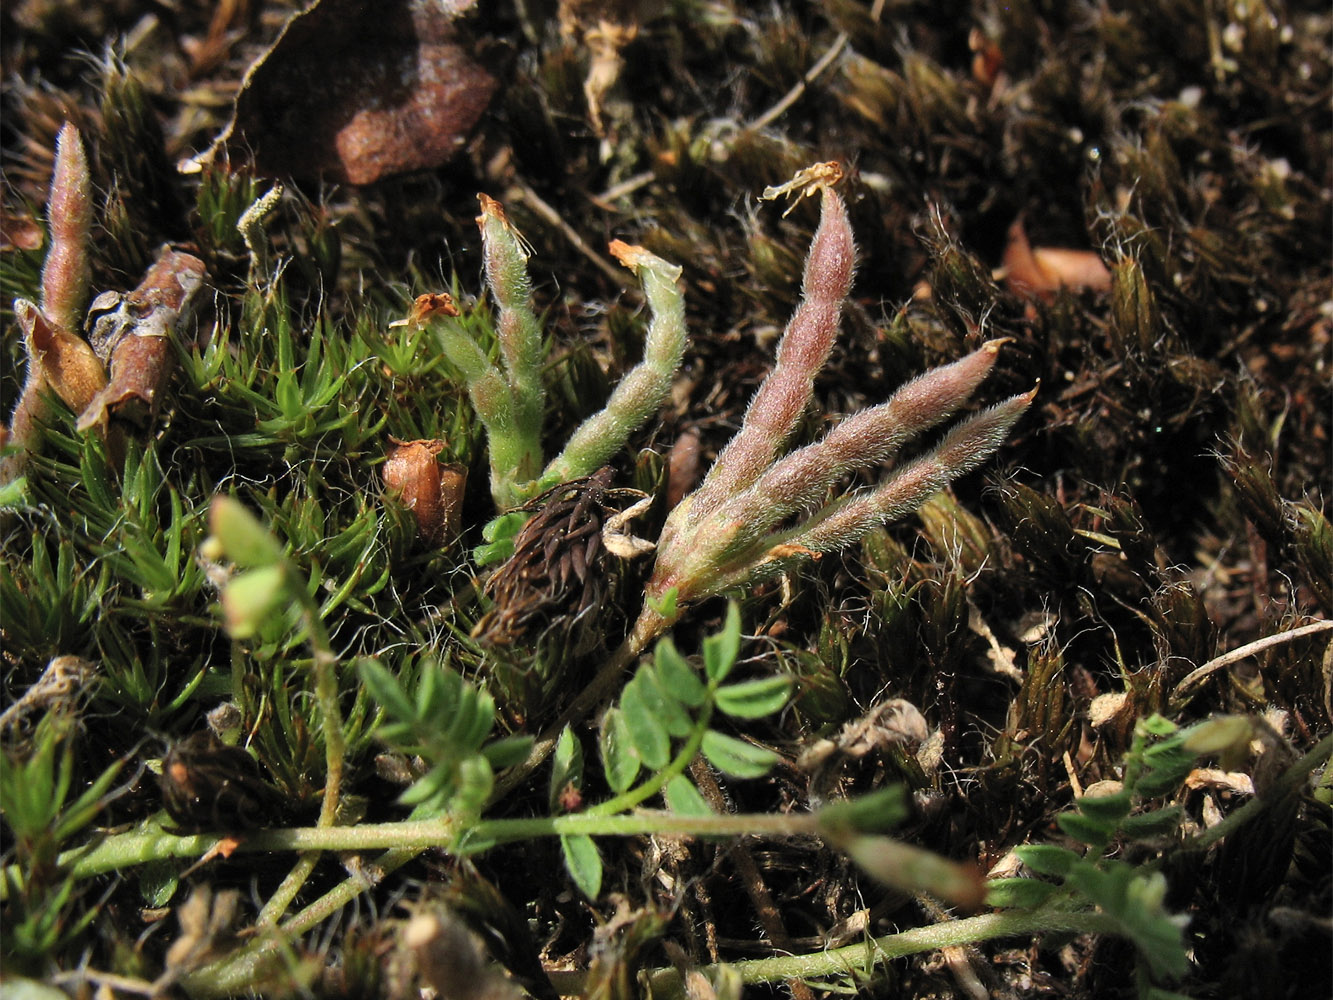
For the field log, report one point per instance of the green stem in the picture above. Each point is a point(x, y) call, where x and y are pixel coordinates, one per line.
point(335, 750)
point(666, 984)
point(231, 975)
point(129, 849)
point(282, 897)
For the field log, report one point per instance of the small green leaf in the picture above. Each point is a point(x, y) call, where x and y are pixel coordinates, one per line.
point(677, 721)
point(1085, 829)
point(385, 689)
point(665, 606)
point(158, 881)
point(1166, 765)
point(1135, 901)
point(646, 729)
point(682, 797)
point(583, 862)
point(721, 650)
point(13, 493)
point(736, 758)
point(754, 699)
point(507, 751)
point(619, 763)
point(475, 780)
point(1024, 893)
point(1106, 808)
point(1157, 823)
point(1156, 725)
point(1048, 859)
point(435, 784)
point(499, 534)
point(566, 767)
point(677, 676)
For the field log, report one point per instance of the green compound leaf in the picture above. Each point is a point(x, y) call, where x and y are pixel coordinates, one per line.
point(677, 721)
point(619, 763)
point(1135, 901)
point(677, 676)
point(754, 699)
point(646, 730)
point(583, 862)
point(721, 650)
point(682, 797)
point(736, 758)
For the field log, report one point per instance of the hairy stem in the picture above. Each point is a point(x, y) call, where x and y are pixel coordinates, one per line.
point(127, 850)
point(865, 955)
point(642, 391)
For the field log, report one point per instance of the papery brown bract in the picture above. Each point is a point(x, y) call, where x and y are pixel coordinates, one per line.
point(208, 785)
point(431, 491)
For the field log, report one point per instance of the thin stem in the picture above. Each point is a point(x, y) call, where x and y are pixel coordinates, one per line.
point(649, 626)
point(553, 218)
point(283, 895)
point(1196, 676)
point(129, 849)
point(238, 970)
point(793, 95)
point(335, 750)
point(865, 955)
point(1290, 780)
point(688, 751)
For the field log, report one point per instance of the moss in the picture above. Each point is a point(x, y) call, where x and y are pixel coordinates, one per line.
point(1164, 502)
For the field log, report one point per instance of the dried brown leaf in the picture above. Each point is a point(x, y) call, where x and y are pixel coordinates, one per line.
point(357, 92)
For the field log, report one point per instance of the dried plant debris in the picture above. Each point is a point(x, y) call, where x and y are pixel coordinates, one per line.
point(408, 91)
point(134, 335)
point(61, 689)
point(208, 785)
point(432, 491)
point(561, 575)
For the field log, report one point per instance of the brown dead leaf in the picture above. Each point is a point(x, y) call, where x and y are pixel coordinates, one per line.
point(357, 92)
point(133, 333)
point(431, 491)
point(66, 364)
point(19, 231)
point(1043, 271)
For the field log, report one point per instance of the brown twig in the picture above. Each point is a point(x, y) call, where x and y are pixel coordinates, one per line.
point(1196, 676)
